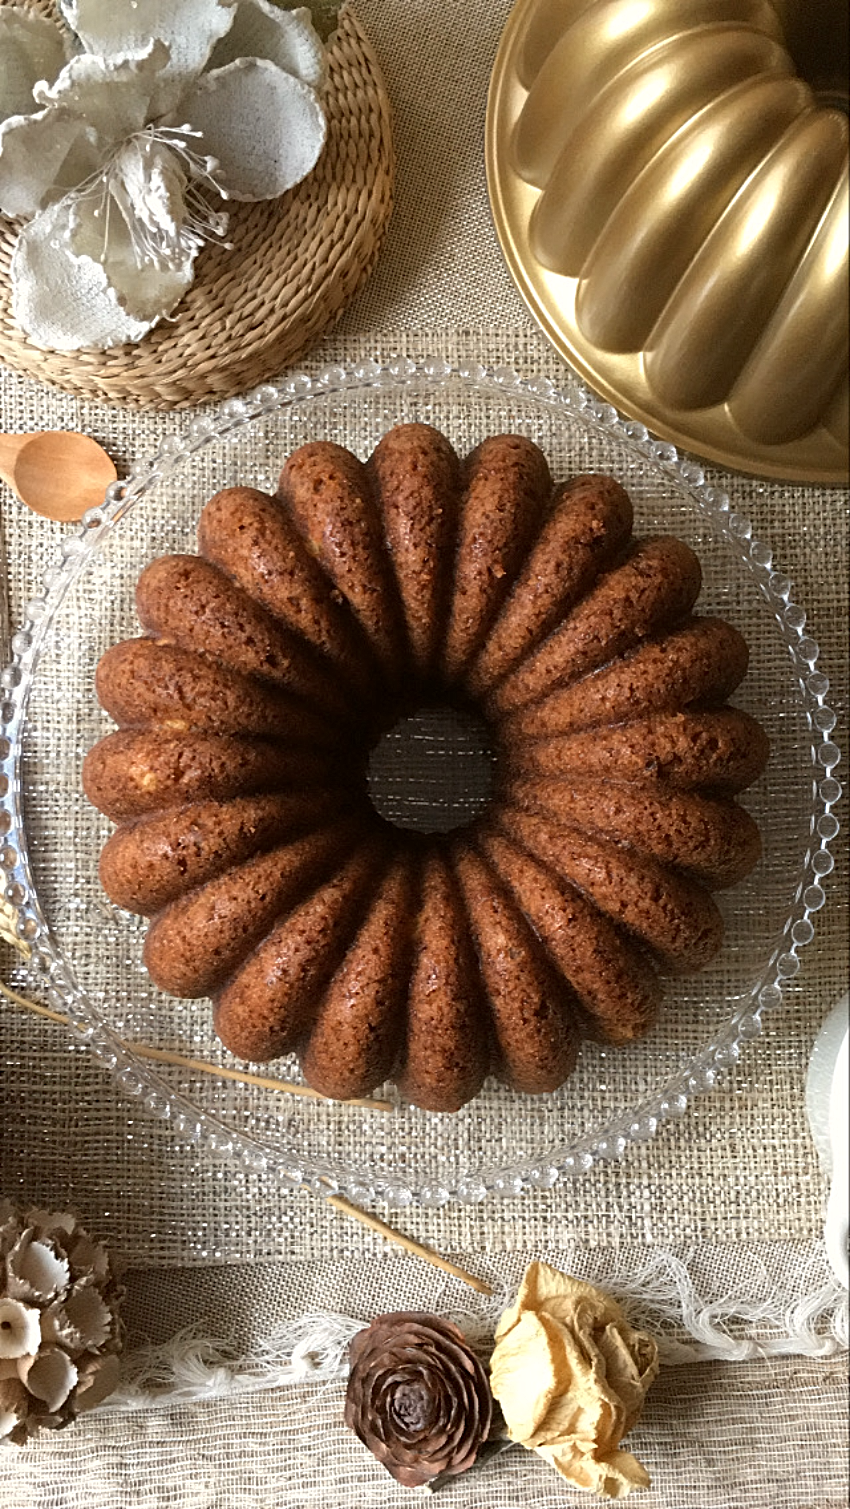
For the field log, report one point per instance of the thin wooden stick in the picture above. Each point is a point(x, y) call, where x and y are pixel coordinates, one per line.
point(345, 1207)
point(8, 914)
point(164, 1056)
point(427, 1254)
point(52, 1016)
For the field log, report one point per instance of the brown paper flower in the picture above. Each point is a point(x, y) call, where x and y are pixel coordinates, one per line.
point(571, 1376)
point(60, 1332)
point(417, 1396)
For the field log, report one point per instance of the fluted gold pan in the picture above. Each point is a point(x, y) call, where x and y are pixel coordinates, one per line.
point(669, 183)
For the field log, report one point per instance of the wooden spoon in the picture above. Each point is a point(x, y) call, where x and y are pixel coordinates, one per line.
point(57, 473)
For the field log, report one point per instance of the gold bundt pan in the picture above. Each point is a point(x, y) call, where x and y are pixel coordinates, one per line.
point(671, 196)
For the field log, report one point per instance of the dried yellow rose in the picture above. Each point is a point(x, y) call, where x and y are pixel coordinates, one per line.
point(571, 1376)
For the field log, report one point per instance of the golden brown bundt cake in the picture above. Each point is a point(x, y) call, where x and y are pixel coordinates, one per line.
point(253, 539)
point(415, 476)
point(446, 1044)
point(313, 621)
point(709, 837)
point(353, 1044)
point(505, 488)
point(590, 519)
point(328, 494)
point(532, 1008)
point(656, 584)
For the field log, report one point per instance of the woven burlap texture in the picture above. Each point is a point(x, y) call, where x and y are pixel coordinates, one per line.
point(738, 1169)
point(748, 1437)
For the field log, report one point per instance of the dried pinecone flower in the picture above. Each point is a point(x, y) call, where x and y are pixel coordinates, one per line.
point(60, 1333)
point(417, 1396)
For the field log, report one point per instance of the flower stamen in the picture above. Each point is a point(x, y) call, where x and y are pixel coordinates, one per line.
point(160, 186)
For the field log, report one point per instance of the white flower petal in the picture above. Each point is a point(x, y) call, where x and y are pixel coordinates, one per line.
point(112, 94)
point(88, 1257)
point(9, 1231)
point(14, 1406)
point(50, 1376)
point(62, 301)
point(35, 1269)
point(151, 238)
point(41, 157)
point(82, 1320)
point(98, 1378)
point(20, 1328)
point(189, 28)
point(31, 48)
point(265, 128)
point(285, 37)
point(66, 301)
point(51, 1223)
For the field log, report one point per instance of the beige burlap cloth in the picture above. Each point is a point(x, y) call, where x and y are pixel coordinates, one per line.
point(737, 1181)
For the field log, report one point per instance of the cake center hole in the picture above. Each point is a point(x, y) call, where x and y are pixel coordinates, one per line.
point(433, 771)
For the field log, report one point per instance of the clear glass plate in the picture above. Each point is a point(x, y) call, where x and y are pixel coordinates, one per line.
point(86, 954)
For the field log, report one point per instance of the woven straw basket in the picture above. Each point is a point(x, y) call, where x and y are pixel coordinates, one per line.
point(294, 263)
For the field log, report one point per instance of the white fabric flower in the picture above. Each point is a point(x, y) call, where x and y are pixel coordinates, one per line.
point(20, 1328)
point(49, 1376)
point(31, 48)
point(112, 155)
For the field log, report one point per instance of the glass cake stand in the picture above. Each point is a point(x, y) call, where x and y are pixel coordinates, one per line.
point(85, 958)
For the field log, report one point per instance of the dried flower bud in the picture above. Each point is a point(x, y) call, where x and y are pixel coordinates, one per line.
point(20, 1328)
point(60, 1332)
point(417, 1396)
point(571, 1376)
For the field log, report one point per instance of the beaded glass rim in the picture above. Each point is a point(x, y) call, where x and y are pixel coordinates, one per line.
point(51, 971)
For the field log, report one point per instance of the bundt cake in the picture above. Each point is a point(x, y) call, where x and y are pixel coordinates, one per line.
point(272, 664)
